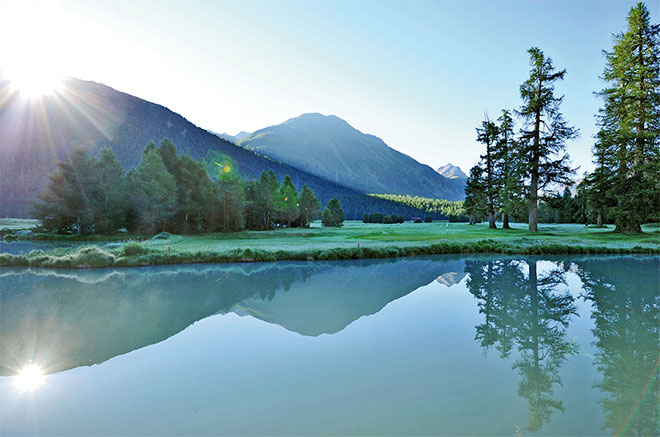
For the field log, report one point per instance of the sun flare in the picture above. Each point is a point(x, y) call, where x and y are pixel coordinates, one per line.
point(34, 84)
point(29, 378)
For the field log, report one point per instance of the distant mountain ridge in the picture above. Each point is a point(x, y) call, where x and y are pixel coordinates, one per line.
point(331, 148)
point(233, 138)
point(452, 172)
point(34, 135)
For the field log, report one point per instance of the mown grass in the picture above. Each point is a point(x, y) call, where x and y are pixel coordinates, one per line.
point(354, 241)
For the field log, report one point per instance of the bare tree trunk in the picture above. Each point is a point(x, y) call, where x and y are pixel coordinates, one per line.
point(599, 220)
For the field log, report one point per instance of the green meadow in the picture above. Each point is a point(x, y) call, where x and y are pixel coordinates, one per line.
point(352, 241)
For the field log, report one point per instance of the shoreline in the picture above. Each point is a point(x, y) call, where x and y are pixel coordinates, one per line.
point(96, 257)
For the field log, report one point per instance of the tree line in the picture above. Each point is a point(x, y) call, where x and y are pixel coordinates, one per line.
point(440, 208)
point(171, 192)
point(520, 168)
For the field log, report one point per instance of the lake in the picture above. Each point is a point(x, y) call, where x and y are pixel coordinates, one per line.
point(443, 345)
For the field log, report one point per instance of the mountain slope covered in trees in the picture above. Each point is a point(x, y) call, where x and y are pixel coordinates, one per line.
point(35, 134)
point(330, 147)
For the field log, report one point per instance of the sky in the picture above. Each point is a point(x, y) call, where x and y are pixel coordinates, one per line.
point(421, 75)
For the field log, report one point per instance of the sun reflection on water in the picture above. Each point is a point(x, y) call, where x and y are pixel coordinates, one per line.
point(29, 378)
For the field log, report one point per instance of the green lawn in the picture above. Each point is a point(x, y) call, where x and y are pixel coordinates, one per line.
point(354, 240)
point(14, 224)
point(380, 235)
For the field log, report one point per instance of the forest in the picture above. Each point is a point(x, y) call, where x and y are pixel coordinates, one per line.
point(168, 192)
point(519, 168)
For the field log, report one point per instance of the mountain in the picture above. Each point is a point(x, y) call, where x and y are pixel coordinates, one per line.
point(452, 172)
point(331, 148)
point(35, 134)
point(233, 138)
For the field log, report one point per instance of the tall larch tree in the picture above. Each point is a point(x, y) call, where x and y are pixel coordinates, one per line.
point(506, 158)
point(543, 138)
point(487, 134)
point(629, 122)
point(475, 197)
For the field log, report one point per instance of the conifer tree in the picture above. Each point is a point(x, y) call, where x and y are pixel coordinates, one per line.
point(288, 205)
point(309, 206)
point(543, 138)
point(110, 201)
point(488, 135)
point(154, 190)
point(475, 197)
point(506, 156)
point(628, 146)
point(333, 214)
point(66, 201)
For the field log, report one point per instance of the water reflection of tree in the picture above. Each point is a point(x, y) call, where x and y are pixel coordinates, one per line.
point(626, 317)
point(526, 311)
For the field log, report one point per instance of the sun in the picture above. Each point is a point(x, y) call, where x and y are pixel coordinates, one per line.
point(34, 83)
point(29, 378)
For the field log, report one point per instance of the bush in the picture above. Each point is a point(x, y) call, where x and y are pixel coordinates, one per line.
point(162, 236)
point(92, 256)
point(133, 248)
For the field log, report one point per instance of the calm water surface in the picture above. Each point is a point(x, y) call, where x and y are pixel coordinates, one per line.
point(418, 346)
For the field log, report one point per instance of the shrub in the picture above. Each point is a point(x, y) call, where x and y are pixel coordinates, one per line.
point(133, 248)
point(92, 256)
point(162, 236)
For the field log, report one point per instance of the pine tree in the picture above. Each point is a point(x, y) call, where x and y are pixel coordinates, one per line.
point(309, 206)
point(288, 205)
point(506, 156)
point(629, 121)
point(487, 134)
point(110, 202)
point(67, 200)
point(599, 185)
point(231, 198)
point(333, 214)
point(154, 190)
point(475, 198)
point(543, 138)
point(196, 195)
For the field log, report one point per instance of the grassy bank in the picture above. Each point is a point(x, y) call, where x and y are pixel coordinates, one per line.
point(354, 241)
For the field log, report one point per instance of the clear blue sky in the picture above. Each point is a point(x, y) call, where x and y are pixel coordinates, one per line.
point(421, 75)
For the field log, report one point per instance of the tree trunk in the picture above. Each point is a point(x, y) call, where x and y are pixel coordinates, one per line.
point(533, 205)
point(491, 220)
point(473, 220)
point(505, 221)
point(599, 220)
point(628, 228)
point(534, 183)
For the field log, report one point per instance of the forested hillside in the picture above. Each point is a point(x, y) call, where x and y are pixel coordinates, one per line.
point(35, 134)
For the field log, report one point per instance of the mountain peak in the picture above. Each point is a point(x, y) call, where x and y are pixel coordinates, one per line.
point(328, 146)
point(452, 172)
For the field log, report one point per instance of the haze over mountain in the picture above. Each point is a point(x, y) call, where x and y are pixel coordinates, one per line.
point(328, 146)
point(35, 134)
point(452, 172)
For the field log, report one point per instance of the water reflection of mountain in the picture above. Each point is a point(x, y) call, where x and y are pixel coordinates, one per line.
point(334, 298)
point(66, 319)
